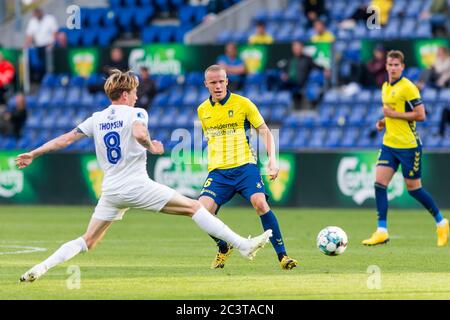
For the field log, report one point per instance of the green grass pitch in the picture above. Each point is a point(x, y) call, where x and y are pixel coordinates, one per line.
point(156, 256)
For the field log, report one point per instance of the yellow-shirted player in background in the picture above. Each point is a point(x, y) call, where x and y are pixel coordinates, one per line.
point(402, 107)
point(226, 120)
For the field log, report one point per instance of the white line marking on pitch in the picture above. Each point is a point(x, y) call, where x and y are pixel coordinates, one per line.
point(25, 249)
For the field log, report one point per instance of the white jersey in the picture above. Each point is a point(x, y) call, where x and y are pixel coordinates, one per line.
point(122, 159)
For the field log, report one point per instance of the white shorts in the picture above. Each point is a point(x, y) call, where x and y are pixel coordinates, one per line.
point(147, 195)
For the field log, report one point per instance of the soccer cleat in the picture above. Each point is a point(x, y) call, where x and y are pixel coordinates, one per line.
point(376, 238)
point(255, 244)
point(442, 233)
point(288, 263)
point(221, 258)
point(33, 274)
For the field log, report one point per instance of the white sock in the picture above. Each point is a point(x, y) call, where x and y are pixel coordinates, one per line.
point(381, 229)
point(215, 227)
point(66, 252)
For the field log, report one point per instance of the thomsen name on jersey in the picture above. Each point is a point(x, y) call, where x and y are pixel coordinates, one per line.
point(110, 125)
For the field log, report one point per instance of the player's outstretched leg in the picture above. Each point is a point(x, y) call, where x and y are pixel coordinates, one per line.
point(210, 224)
point(96, 230)
point(442, 226)
point(269, 221)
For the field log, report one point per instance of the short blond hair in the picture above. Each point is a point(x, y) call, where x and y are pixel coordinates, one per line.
point(396, 54)
point(214, 67)
point(118, 82)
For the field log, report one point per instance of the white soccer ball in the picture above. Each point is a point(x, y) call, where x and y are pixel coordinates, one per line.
point(332, 241)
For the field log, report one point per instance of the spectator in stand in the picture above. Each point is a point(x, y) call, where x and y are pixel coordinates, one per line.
point(359, 15)
point(376, 68)
point(438, 76)
point(295, 76)
point(116, 61)
point(40, 35)
point(321, 33)
point(314, 10)
point(61, 40)
point(385, 7)
point(260, 36)
point(7, 72)
point(234, 66)
point(12, 122)
point(437, 14)
point(146, 90)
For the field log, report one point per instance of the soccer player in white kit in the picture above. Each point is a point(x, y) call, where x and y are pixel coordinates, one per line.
point(121, 144)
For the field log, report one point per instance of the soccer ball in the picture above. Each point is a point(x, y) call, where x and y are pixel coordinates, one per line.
point(332, 241)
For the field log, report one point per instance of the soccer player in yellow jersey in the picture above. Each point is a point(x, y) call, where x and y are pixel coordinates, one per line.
point(226, 119)
point(402, 107)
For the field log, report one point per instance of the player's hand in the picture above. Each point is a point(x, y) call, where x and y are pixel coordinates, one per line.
point(388, 111)
point(272, 170)
point(24, 160)
point(380, 125)
point(157, 147)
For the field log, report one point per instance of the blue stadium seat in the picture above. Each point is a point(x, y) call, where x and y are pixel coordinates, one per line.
point(166, 34)
point(58, 99)
point(97, 16)
point(317, 138)
point(73, 37)
point(357, 115)
point(414, 8)
point(49, 80)
point(283, 98)
point(408, 28)
point(364, 96)
point(444, 96)
point(332, 96)
point(413, 73)
point(107, 36)
point(125, 17)
point(143, 16)
point(149, 34)
point(429, 95)
point(225, 36)
point(73, 96)
point(115, 3)
point(89, 37)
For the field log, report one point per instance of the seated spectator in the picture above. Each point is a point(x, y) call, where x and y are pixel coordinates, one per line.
point(376, 68)
point(146, 90)
point(384, 7)
point(314, 10)
point(234, 66)
point(437, 14)
point(445, 118)
point(260, 36)
point(12, 122)
point(61, 40)
point(321, 33)
point(295, 76)
point(438, 76)
point(359, 15)
point(116, 61)
point(7, 72)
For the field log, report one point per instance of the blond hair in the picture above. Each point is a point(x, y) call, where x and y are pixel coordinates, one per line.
point(214, 67)
point(396, 54)
point(118, 82)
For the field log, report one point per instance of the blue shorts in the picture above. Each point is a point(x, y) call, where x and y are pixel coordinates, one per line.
point(222, 184)
point(410, 159)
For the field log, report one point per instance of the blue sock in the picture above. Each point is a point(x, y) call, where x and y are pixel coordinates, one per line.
point(382, 204)
point(269, 221)
point(427, 201)
point(223, 246)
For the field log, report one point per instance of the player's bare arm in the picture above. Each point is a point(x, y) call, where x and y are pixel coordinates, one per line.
point(269, 142)
point(381, 124)
point(417, 114)
point(140, 132)
point(63, 141)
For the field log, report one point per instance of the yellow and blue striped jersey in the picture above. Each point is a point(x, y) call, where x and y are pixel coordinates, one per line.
point(227, 126)
point(402, 95)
